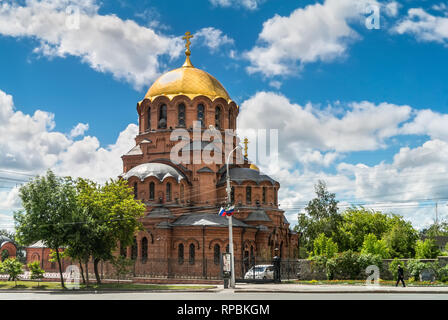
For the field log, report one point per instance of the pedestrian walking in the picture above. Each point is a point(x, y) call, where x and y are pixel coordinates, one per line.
point(400, 276)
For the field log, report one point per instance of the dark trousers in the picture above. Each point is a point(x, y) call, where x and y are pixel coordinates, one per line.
point(402, 281)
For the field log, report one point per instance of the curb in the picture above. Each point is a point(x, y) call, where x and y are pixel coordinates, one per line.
point(339, 291)
point(106, 291)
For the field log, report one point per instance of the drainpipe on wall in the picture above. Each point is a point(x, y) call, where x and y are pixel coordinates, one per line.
point(204, 272)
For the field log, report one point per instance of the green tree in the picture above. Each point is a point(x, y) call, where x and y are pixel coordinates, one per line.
point(49, 203)
point(426, 249)
point(436, 229)
point(113, 217)
point(321, 217)
point(401, 238)
point(324, 247)
point(36, 272)
point(372, 245)
point(357, 223)
point(13, 268)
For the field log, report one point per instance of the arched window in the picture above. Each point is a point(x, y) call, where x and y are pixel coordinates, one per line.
point(264, 195)
point(201, 114)
point(192, 253)
point(144, 249)
point(248, 194)
point(149, 118)
point(218, 117)
point(275, 196)
point(182, 193)
point(230, 119)
point(180, 253)
point(168, 192)
point(216, 254)
point(151, 191)
point(134, 249)
point(135, 190)
point(162, 117)
point(181, 115)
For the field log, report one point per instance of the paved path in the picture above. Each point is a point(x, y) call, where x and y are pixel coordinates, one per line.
point(304, 288)
point(224, 295)
point(248, 292)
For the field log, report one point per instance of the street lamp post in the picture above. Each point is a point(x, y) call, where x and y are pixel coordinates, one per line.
point(229, 203)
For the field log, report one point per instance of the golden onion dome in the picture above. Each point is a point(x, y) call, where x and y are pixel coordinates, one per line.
point(188, 81)
point(254, 167)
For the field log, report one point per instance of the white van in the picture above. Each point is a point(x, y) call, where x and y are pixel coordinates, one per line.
point(264, 271)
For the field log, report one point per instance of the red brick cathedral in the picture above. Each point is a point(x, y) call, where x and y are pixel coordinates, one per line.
point(183, 231)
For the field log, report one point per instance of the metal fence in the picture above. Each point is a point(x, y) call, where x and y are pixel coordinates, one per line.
point(210, 269)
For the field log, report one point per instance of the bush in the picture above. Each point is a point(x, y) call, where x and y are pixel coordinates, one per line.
point(415, 267)
point(366, 260)
point(319, 263)
point(36, 272)
point(442, 274)
point(393, 267)
point(351, 265)
point(13, 268)
point(344, 266)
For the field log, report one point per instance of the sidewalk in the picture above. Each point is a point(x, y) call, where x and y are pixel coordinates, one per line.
point(335, 288)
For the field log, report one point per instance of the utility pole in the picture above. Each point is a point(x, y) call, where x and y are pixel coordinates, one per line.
point(229, 203)
point(437, 213)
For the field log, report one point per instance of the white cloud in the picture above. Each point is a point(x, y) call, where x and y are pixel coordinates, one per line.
point(248, 4)
point(424, 26)
point(105, 42)
point(392, 8)
point(10, 199)
point(441, 7)
point(275, 84)
point(316, 32)
point(428, 122)
point(79, 130)
point(213, 39)
point(31, 145)
point(362, 126)
point(313, 140)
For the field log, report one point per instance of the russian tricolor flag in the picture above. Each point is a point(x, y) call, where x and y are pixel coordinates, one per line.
point(223, 212)
point(230, 210)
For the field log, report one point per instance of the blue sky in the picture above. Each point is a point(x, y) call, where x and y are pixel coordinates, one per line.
point(364, 109)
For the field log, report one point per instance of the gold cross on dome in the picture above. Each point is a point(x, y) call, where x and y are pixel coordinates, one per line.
point(187, 37)
point(246, 142)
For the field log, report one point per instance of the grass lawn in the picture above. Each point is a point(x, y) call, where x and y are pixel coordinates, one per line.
point(33, 285)
point(363, 282)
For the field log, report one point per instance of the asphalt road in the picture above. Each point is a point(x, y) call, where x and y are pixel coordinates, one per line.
point(222, 295)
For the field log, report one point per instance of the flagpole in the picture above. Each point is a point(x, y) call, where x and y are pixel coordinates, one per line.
point(229, 203)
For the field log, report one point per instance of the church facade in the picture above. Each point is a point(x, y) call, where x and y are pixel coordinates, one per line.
point(177, 168)
point(183, 232)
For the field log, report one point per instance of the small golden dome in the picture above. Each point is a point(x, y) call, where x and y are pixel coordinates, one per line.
point(188, 81)
point(254, 167)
